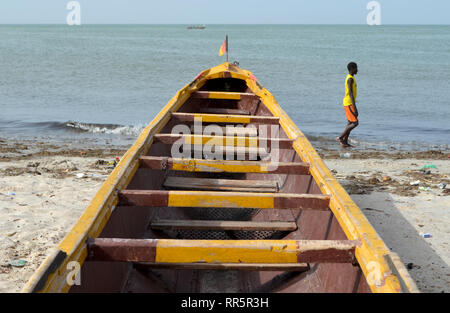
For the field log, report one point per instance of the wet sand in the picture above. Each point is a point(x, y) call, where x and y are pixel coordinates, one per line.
point(39, 205)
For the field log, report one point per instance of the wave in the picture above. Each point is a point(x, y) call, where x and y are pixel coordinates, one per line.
point(71, 126)
point(114, 129)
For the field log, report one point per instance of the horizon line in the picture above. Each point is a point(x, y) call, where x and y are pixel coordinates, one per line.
point(307, 24)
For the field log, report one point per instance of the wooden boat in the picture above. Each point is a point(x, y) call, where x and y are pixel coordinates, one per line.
point(165, 223)
point(196, 27)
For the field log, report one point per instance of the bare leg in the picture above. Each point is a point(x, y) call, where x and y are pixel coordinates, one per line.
point(343, 138)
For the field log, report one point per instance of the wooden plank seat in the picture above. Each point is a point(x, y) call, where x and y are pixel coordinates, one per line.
point(267, 267)
point(231, 131)
point(194, 183)
point(215, 166)
point(221, 251)
point(280, 143)
point(223, 95)
point(225, 118)
point(164, 224)
point(223, 111)
point(220, 199)
point(228, 152)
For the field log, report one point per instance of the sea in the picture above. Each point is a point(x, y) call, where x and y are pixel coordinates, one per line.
point(102, 84)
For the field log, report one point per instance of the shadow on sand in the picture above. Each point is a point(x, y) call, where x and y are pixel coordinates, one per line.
point(430, 272)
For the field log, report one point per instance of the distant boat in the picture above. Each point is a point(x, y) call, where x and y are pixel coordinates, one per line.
point(196, 27)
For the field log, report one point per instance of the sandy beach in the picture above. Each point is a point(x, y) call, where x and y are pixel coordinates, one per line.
point(402, 214)
point(44, 189)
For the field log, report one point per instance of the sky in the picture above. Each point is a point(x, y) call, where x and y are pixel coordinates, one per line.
point(225, 12)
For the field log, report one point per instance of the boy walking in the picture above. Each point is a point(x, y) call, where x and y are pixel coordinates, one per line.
point(351, 112)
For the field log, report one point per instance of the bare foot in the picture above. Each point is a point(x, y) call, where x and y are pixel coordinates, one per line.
point(343, 144)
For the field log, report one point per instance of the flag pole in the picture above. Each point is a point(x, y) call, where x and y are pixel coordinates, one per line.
point(227, 46)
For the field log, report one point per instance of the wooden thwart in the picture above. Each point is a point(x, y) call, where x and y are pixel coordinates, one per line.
point(280, 143)
point(228, 152)
point(222, 95)
point(194, 183)
point(285, 267)
point(222, 225)
point(223, 111)
point(221, 251)
point(230, 131)
point(219, 199)
point(225, 118)
point(215, 166)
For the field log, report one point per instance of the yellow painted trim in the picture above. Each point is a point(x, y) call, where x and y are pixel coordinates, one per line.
point(226, 251)
point(225, 95)
point(199, 165)
point(217, 200)
point(222, 118)
point(221, 140)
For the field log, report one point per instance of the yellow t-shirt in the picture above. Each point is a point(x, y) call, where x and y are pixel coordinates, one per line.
point(347, 101)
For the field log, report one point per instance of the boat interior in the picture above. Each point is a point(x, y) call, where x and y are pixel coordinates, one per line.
point(181, 192)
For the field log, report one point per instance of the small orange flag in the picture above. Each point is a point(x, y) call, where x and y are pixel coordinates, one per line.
point(224, 47)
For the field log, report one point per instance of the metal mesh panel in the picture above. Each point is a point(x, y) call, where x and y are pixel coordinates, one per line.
point(224, 214)
point(220, 234)
point(232, 214)
point(260, 234)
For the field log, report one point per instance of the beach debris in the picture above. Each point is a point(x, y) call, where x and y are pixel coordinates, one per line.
point(101, 162)
point(374, 181)
point(18, 263)
point(442, 185)
point(425, 235)
point(371, 209)
point(346, 155)
point(84, 175)
point(58, 166)
point(386, 178)
point(424, 188)
point(428, 166)
point(11, 193)
point(12, 234)
point(97, 176)
point(415, 183)
point(446, 192)
point(411, 266)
